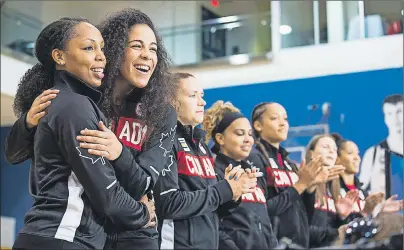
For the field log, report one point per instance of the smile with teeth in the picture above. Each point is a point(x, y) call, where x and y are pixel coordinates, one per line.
point(97, 70)
point(142, 68)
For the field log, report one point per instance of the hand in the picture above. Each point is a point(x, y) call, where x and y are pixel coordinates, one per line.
point(152, 211)
point(36, 112)
point(308, 173)
point(344, 205)
point(334, 172)
point(101, 142)
point(391, 205)
point(239, 181)
point(371, 202)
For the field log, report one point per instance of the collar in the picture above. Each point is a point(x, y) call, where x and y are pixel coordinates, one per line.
point(274, 151)
point(357, 183)
point(63, 78)
point(190, 133)
point(227, 160)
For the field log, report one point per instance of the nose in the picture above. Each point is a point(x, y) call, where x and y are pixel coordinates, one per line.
point(100, 56)
point(145, 55)
point(201, 101)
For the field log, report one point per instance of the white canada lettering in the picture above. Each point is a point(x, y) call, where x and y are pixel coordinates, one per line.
point(192, 165)
point(281, 178)
point(131, 132)
point(256, 196)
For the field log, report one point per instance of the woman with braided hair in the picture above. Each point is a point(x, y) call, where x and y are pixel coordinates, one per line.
point(291, 206)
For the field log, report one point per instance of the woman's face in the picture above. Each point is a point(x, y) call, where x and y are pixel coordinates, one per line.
point(237, 140)
point(326, 148)
point(349, 157)
point(273, 125)
point(140, 58)
point(84, 55)
point(190, 104)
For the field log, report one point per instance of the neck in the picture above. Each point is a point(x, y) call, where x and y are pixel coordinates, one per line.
point(348, 178)
point(186, 123)
point(121, 88)
point(230, 156)
point(274, 144)
point(395, 142)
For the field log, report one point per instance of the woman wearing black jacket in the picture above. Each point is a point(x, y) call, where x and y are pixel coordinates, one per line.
point(249, 225)
point(189, 198)
point(74, 192)
point(348, 156)
point(291, 207)
point(136, 91)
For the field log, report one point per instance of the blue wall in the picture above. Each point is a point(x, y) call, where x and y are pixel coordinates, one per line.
point(15, 198)
point(358, 96)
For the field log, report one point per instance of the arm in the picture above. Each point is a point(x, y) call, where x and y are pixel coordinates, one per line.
point(19, 144)
point(143, 170)
point(173, 203)
point(95, 173)
point(229, 206)
point(278, 203)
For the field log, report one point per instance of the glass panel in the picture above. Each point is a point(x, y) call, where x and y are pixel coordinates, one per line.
point(219, 38)
point(322, 8)
point(297, 24)
point(383, 18)
point(351, 20)
point(19, 31)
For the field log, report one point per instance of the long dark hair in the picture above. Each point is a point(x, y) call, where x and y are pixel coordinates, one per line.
point(40, 77)
point(155, 96)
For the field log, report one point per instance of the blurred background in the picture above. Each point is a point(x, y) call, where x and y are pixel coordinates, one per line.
point(329, 63)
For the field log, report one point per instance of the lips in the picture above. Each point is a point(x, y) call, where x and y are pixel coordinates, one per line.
point(98, 72)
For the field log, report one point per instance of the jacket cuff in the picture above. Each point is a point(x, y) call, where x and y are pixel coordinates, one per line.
point(124, 159)
point(224, 190)
point(294, 195)
point(30, 132)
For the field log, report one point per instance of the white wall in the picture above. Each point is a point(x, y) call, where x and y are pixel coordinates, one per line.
point(294, 63)
point(304, 62)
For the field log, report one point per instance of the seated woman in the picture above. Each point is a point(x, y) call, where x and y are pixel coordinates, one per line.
point(249, 225)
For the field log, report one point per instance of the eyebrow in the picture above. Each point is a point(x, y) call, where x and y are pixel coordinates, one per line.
point(92, 40)
point(140, 41)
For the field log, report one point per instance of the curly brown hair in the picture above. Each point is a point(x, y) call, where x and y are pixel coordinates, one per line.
point(155, 97)
point(214, 115)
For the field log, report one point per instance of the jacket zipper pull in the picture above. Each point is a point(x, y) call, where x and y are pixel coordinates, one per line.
point(260, 226)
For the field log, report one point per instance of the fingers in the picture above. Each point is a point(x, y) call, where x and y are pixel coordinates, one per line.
point(47, 95)
point(102, 127)
point(238, 174)
point(39, 115)
point(92, 139)
point(99, 153)
point(49, 91)
point(94, 146)
point(233, 172)
point(95, 133)
point(228, 169)
point(392, 198)
point(144, 198)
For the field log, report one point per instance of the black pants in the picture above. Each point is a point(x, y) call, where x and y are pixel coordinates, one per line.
point(29, 241)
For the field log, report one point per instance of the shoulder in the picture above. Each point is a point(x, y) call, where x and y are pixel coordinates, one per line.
point(70, 107)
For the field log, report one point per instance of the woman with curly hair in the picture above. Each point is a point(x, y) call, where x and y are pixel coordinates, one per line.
point(136, 101)
point(249, 225)
point(73, 191)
